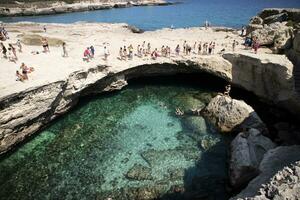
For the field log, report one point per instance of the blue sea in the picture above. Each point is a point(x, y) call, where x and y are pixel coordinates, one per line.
point(189, 13)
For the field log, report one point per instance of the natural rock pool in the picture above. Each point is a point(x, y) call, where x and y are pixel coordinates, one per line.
point(124, 145)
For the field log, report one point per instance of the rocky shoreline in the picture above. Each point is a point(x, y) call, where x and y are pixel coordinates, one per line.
point(255, 159)
point(31, 9)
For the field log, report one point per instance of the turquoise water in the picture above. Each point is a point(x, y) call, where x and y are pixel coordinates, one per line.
point(231, 13)
point(125, 145)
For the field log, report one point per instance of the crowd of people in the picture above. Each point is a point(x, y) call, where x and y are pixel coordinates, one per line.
point(125, 52)
point(143, 50)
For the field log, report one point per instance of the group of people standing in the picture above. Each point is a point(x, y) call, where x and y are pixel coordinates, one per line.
point(143, 50)
point(10, 52)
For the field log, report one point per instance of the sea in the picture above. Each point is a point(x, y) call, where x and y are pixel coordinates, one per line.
point(187, 13)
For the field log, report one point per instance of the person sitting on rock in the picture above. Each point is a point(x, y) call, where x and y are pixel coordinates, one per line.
point(227, 90)
point(154, 54)
point(20, 77)
point(24, 67)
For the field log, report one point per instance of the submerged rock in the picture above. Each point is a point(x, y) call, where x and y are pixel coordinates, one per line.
point(247, 151)
point(139, 172)
point(229, 115)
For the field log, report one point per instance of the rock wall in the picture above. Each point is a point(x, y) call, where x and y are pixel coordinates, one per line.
point(276, 180)
point(270, 78)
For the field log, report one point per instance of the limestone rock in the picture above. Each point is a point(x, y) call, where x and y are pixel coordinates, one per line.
point(276, 18)
point(292, 13)
point(256, 20)
point(139, 172)
point(228, 114)
point(283, 184)
point(276, 33)
point(269, 12)
point(269, 77)
point(252, 27)
point(296, 42)
point(247, 150)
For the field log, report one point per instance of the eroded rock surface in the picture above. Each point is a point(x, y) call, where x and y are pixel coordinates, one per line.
point(229, 115)
point(139, 172)
point(247, 151)
point(276, 179)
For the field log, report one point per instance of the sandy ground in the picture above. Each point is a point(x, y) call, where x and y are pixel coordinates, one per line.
point(52, 66)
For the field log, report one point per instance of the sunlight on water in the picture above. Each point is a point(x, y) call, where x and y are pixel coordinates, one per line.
point(112, 145)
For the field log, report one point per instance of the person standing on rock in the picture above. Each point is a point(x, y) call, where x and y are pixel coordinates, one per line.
point(149, 48)
point(106, 53)
point(243, 31)
point(177, 50)
point(65, 53)
point(92, 49)
point(4, 50)
point(45, 45)
point(199, 48)
point(19, 45)
point(234, 45)
point(184, 47)
point(255, 44)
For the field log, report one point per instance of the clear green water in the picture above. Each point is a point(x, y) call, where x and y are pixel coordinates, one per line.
point(87, 153)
